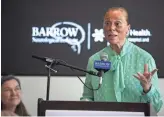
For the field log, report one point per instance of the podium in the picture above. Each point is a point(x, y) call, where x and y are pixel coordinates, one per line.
point(85, 108)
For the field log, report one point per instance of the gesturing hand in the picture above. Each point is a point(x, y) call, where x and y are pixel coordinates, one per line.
point(145, 78)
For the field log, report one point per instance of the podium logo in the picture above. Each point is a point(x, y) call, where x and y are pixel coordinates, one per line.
point(61, 32)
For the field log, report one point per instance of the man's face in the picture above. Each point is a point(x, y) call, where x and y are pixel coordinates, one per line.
point(115, 27)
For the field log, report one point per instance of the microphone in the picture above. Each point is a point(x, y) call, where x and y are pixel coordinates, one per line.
point(102, 65)
point(44, 59)
point(62, 63)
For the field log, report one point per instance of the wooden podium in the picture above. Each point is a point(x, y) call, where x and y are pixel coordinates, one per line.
point(94, 106)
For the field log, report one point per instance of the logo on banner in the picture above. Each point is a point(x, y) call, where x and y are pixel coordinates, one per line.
point(74, 35)
point(61, 32)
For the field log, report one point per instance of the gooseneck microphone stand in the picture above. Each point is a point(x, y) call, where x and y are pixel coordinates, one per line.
point(49, 69)
point(50, 63)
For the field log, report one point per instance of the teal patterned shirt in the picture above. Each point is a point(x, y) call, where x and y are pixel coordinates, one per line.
point(119, 84)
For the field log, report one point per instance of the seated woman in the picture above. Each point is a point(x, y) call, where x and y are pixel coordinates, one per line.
point(11, 96)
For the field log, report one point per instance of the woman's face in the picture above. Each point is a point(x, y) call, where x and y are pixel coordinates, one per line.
point(10, 93)
point(115, 27)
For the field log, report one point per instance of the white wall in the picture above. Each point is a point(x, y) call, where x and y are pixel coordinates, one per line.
point(61, 88)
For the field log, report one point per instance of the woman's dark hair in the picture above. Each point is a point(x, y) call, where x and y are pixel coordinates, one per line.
point(20, 109)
